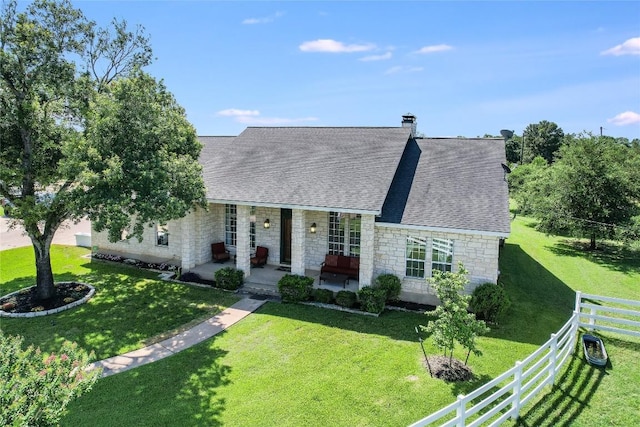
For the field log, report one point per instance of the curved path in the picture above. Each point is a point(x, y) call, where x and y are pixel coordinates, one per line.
point(177, 343)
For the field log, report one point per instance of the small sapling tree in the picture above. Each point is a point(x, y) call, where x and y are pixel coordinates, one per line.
point(453, 322)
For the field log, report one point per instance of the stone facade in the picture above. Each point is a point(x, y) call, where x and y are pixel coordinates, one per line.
point(382, 248)
point(478, 254)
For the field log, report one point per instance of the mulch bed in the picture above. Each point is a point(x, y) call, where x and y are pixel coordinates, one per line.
point(454, 372)
point(25, 301)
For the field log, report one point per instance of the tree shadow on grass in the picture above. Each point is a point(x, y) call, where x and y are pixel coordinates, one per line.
point(184, 389)
point(568, 398)
point(129, 309)
point(615, 257)
point(540, 302)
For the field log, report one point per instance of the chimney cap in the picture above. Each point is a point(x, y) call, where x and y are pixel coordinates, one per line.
point(408, 117)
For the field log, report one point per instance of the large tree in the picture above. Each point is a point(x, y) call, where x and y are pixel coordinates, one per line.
point(84, 132)
point(591, 190)
point(542, 139)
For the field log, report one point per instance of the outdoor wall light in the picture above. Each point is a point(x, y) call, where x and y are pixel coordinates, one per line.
point(267, 224)
point(312, 229)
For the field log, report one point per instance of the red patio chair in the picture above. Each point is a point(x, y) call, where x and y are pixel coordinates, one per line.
point(219, 252)
point(260, 257)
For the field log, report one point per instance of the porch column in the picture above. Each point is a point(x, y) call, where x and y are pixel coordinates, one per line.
point(298, 234)
point(367, 230)
point(198, 243)
point(243, 241)
point(188, 239)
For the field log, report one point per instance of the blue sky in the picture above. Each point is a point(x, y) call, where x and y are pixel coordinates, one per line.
point(463, 68)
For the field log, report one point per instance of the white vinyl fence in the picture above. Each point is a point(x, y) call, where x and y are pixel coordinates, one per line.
point(501, 399)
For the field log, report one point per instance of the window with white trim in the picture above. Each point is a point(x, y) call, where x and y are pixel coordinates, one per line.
point(230, 224)
point(442, 254)
point(336, 234)
point(354, 235)
point(252, 226)
point(162, 235)
point(340, 224)
point(416, 257)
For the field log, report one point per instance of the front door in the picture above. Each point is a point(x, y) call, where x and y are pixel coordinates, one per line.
point(285, 236)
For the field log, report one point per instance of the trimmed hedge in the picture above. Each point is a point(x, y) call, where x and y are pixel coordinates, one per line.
point(229, 278)
point(295, 288)
point(391, 284)
point(323, 295)
point(372, 299)
point(490, 301)
point(346, 299)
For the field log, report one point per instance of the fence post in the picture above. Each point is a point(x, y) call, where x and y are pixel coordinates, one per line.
point(578, 300)
point(552, 358)
point(515, 406)
point(460, 411)
point(574, 330)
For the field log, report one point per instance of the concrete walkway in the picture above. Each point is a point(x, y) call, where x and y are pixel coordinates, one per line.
point(177, 343)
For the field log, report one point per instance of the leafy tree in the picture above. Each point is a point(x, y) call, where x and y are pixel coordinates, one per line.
point(513, 149)
point(453, 321)
point(593, 188)
point(85, 132)
point(525, 183)
point(35, 388)
point(542, 139)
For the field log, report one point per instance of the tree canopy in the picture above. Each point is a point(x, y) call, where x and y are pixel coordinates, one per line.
point(592, 190)
point(84, 131)
point(542, 139)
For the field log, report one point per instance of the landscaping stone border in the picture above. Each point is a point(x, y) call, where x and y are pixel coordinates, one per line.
point(76, 303)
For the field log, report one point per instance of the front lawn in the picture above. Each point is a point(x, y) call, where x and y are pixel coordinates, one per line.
point(130, 309)
point(294, 365)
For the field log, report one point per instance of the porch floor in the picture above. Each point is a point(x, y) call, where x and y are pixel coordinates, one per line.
point(264, 280)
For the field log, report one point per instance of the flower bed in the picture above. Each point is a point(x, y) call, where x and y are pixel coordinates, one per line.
point(136, 262)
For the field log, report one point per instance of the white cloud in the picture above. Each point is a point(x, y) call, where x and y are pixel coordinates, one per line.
point(234, 112)
point(332, 46)
point(263, 20)
point(434, 48)
point(400, 69)
point(252, 117)
point(629, 47)
point(382, 57)
point(626, 118)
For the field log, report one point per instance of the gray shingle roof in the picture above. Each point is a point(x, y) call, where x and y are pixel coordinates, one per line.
point(333, 168)
point(451, 183)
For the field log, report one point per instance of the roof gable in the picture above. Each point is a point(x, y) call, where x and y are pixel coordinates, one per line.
point(451, 183)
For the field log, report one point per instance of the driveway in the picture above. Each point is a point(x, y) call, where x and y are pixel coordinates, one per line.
point(14, 238)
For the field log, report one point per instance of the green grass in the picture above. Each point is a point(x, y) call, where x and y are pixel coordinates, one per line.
point(130, 308)
point(300, 365)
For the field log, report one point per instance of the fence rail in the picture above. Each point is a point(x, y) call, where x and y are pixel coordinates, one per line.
point(502, 397)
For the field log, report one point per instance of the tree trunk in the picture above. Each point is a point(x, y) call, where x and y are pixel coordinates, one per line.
point(44, 274)
point(592, 245)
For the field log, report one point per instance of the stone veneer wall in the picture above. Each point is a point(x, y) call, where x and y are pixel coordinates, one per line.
point(148, 247)
point(317, 244)
point(479, 254)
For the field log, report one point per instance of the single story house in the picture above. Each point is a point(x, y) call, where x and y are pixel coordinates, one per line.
point(400, 203)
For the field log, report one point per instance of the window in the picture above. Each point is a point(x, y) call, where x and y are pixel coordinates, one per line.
point(442, 254)
point(338, 223)
point(354, 235)
point(162, 235)
point(416, 255)
point(230, 224)
point(336, 234)
point(252, 226)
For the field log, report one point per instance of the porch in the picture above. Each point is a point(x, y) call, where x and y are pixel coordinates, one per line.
point(264, 280)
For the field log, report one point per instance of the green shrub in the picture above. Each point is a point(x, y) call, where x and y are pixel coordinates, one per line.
point(229, 278)
point(372, 299)
point(37, 388)
point(391, 284)
point(295, 288)
point(346, 299)
point(490, 301)
point(323, 295)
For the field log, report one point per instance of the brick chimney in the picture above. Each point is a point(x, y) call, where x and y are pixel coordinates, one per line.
point(410, 121)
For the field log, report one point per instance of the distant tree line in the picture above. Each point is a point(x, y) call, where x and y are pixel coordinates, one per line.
point(576, 184)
